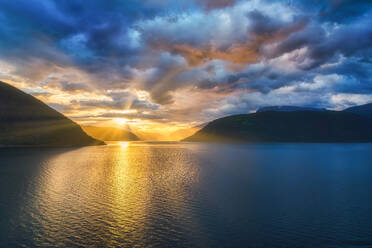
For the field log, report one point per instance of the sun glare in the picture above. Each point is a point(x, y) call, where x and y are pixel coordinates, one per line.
point(120, 121)
point(124, 144)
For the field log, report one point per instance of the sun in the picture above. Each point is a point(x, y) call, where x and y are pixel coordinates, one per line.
point(120, 121)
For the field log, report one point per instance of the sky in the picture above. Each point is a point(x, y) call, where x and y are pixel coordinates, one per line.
point(161, 65)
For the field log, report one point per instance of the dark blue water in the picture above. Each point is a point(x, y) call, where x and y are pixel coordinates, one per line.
point(187, 195)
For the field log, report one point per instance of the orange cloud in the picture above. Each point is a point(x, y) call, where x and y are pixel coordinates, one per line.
point(237, 53)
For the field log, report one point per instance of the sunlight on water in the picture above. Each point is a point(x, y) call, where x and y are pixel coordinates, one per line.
point(124, 144)
point(186, 195)
point(106, 196)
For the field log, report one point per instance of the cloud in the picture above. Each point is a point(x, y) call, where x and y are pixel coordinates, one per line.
point(234, 35)
point(131, 116)
point(73, 87)
point(213, 4)
point(187, 58)
point(124, 100)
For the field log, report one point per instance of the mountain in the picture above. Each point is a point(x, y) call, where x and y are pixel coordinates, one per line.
point(288, 109)
point(298, 126)
point(149, 136)
point(110, 133)
point(363, 110)
point(186, 132)
point(26, 121)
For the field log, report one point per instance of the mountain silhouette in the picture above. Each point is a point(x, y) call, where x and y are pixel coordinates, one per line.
point(110, 133)
point(185, 132)
point(26, 121)
point(297, 126)
point(363, 110)
point(288, 109)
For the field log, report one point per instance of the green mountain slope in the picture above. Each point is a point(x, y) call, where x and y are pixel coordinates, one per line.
point(298, 126)
point(26, 121)
point(363, 110)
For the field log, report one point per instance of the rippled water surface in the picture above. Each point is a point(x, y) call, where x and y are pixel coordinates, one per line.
point(187, 195)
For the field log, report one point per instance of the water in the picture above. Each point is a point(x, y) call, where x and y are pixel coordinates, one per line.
point(187, 195)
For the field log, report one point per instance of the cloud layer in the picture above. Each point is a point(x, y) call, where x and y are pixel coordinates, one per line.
point(187, 61)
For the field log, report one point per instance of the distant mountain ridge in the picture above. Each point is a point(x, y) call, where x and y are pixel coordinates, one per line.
point(26, 121)
point(363, 110)
point(292, 126)
point(184, 133)
point(289, 109)
point(110, 133)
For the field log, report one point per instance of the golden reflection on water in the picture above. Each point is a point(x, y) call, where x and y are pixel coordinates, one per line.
point(110, 195)
point(186, 195)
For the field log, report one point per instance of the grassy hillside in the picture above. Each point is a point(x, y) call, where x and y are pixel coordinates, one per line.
point(299, 126)
point(24, 120)
point(363, 110)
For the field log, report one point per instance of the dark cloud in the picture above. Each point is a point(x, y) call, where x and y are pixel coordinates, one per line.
point(41, 94)
point(87, 33)
point(213, 4)
point(343, 10)
point(313, 50)
point(348, 40)
point(339, 11)
point(267, 27)
point(131, 116)
point(118, 104)
point(124, 100)
point(62, 107)
point(241, 47)
point(73, 87)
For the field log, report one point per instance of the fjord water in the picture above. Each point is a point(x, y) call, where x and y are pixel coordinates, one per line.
point(187, 195)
